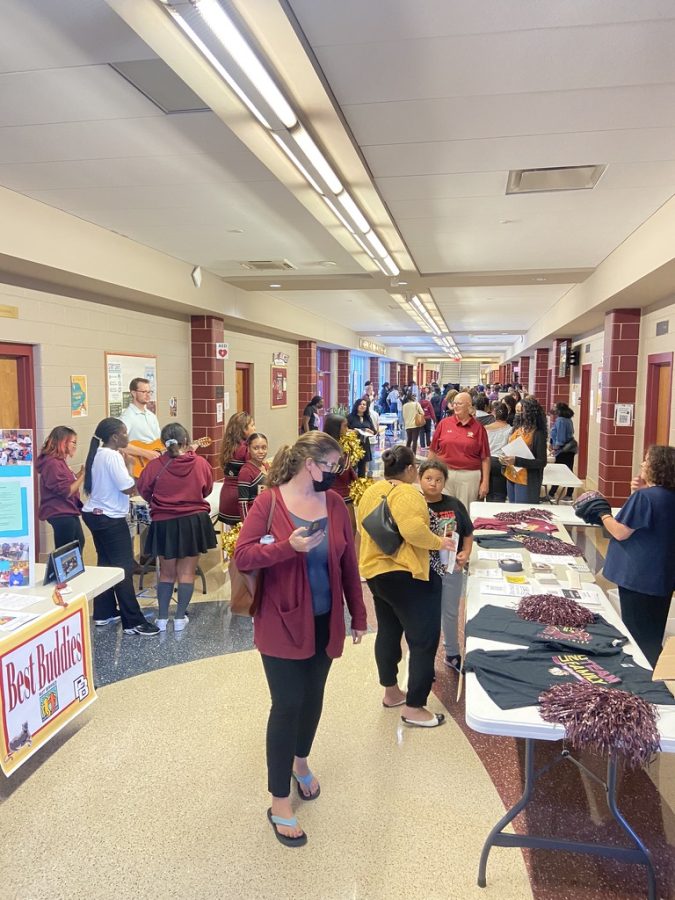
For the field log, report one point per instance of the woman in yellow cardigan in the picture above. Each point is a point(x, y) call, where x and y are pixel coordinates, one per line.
point(406, 592)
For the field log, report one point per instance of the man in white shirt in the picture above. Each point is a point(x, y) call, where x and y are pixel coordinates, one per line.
point(142, 424)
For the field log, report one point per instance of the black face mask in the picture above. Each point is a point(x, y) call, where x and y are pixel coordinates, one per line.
point(326, 483)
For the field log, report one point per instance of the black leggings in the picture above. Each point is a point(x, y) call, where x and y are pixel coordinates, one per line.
point(407, 606)
point(413, 434)
point(296, 687)
point(645, 616)
point(66, 530)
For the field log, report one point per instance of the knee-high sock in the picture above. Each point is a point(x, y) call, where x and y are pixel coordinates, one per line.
point(185, 592)
point(164, 594)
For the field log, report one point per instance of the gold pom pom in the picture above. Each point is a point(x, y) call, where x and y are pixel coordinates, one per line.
point(357, 488)
point(351, 446)
point(228, 541)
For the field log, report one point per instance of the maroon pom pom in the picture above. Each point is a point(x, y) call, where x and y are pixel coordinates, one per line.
point(603, 720)
point(517, 518)
point(550, 546)
point(549, 609)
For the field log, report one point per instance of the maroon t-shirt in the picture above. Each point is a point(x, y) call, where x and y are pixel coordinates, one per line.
point(461, 446)
point(55, 481)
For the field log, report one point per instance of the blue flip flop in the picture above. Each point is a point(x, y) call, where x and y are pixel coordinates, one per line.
point(306, 780)
point(287, 841)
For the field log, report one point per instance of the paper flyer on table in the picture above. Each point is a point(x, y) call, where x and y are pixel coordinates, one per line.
point(487, 573)
point(574, 562)
point(499, 554)
point(14, 600)
point(504, 589)
point(10, 620)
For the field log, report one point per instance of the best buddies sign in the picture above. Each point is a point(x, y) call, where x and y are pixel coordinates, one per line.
point(46, 680)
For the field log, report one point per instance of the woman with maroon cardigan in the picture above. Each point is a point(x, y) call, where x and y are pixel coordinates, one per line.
point(175, 486)
point(60, 503)
point(307, 569)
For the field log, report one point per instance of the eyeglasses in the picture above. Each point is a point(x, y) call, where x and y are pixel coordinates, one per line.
point(143, 392)
point(334, 468)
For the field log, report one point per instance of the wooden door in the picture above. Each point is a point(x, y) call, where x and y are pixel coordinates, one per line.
point(9, 393)
point(240, 391)
point(658, 400)
point(244, 372)
point(584, 418)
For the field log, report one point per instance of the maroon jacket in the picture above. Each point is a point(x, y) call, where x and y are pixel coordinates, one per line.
point(55, 481)
point(177, 486)
point(283, 626)
point(428, 410)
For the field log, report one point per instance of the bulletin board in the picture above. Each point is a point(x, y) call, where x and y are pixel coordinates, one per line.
point(120, 369)
point(278, 387)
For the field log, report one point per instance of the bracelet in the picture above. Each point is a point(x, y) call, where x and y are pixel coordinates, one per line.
point(606, 516)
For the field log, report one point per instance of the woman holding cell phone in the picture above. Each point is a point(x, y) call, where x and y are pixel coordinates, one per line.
point(298, 535)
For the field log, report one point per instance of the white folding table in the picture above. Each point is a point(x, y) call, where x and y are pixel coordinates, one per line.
point(484, 716)
point(557, 473)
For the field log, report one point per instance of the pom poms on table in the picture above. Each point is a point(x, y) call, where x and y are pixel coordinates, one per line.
point(517, 518)
point(550, 546)
point(550, 609)
point(351, 445)
point(603, 720)
point(591, 506)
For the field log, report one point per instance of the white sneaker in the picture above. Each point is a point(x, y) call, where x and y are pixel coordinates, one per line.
point(161, 624)
point(567, 501)
point(179, 624)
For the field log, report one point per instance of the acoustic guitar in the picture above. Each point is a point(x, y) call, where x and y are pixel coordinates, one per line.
point(138, 463)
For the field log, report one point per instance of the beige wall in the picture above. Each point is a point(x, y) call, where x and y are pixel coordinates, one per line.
point(280, 425)
point(649, 344)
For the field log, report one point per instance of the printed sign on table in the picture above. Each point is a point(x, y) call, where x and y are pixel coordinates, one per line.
point(46, 680)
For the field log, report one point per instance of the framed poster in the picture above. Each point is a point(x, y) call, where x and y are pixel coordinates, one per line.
point(279, 387)
point(120, 369)
point(78, 396)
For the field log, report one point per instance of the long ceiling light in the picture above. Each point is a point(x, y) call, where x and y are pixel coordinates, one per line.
point(363, 244)
point(299, 166)
point(390, 265)
point(316, 157)
point(423, 312)
point(353, 211)
point(233, 41)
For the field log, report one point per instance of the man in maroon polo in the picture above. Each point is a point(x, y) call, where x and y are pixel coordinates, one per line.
point(462, 443)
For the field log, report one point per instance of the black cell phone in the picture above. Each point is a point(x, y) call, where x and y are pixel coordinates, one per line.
point(313, 528)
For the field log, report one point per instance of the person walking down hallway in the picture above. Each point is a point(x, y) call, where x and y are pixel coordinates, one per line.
point(60, 503)
point(413, 420)
point(298, 534)
point(175, 487)
point(462, 444)
point(108, 485)
point(311, 414)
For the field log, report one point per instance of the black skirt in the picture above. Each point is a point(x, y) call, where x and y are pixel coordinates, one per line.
point(181, 537)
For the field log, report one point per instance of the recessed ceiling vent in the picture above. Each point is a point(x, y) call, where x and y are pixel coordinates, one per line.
point(267, 265)
point(562, 178)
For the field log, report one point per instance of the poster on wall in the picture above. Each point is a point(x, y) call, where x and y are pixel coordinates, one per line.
point(598, 409)
point(279, 387)
point(78, 396)
point(120, 370)
point(17, 538)
point(47, 680)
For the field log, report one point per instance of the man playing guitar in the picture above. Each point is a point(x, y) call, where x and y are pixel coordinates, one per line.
point(142, 424)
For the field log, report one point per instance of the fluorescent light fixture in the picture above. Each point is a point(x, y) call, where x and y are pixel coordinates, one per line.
point(218, 66)
point(355, 213)
point(376, 243)
point(296, 162)
point(379, 265)
point(338, 215)
point(390, 265)
point(234, 43)
point(317, 159)
point(365, 246)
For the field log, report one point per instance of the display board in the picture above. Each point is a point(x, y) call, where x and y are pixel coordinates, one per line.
point(17, 517)
point(120, 369)
point(47, 680)
point(278, 387)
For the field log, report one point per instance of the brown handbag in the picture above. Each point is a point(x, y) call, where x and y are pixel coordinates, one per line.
point(420, 419)
point(244, 585)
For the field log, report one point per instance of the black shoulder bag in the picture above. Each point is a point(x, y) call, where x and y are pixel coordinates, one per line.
point(382, 528)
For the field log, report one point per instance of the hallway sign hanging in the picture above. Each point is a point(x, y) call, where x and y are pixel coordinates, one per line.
point(46, 675)
point(17, 538)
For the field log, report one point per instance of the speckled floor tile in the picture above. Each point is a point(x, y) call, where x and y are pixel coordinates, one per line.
point(160, 793)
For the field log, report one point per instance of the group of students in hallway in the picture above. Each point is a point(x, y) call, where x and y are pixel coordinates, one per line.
point(308, 560)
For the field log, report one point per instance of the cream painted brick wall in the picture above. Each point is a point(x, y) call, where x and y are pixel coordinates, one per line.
point(592, 356)
point(280, 425)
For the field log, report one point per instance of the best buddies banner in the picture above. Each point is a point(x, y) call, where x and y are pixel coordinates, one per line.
point(46, 680)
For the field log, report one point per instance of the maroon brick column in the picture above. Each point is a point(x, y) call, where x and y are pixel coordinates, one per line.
point(306, 375)
point(524, 373)
point(619, 377)
point(374, 376)
point(343, 369)
point(208, 374)
point(410, 374)
point(560, 387)
point(393, 373)
point(540, 387)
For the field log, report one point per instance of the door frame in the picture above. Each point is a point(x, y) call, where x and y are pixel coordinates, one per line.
point(23, 353)
point(246, 369)
point(584, 419)
point(655, 361)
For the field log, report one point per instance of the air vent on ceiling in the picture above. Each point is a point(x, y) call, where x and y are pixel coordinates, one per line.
point(267, 265)
point(160, 84)
point(562, 178)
